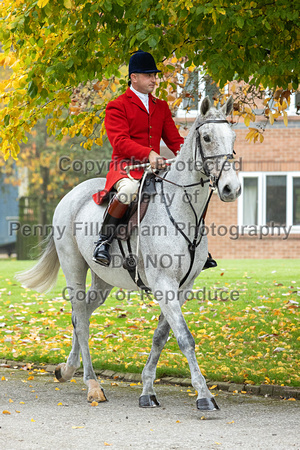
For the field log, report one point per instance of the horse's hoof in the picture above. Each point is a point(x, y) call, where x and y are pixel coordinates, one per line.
point(148, 401)
point(95, 392)
point(58, 374)
point(207, 404)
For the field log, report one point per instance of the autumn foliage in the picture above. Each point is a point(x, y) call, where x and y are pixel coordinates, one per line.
point(69, 57)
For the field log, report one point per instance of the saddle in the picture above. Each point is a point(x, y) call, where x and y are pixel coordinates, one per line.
point(130, 220)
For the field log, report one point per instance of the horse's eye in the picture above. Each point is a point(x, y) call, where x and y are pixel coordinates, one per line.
point(206, 138)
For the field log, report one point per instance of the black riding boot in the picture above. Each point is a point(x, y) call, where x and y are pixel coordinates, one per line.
point(210, 262)
point(112, 218)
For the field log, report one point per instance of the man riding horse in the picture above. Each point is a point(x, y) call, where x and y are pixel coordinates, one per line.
point(135, 124)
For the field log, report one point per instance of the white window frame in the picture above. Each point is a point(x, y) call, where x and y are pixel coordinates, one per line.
point(193, 113)
point(261, 212)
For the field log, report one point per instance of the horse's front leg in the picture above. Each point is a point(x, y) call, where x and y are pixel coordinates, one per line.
point(170, 305)
point(160, 337)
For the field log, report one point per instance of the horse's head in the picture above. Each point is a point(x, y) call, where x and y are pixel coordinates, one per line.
point(214, 147)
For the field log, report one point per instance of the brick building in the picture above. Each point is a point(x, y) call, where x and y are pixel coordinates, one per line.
point(265, 221)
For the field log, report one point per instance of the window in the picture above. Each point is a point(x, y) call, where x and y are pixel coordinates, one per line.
point(197, 86)
point(296, 201)
point(271, 199)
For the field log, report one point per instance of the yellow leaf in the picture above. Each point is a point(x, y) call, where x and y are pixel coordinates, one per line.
point(105, 443)
point(5, 412)
point(285, 118)
point(231, 422)
point(10, 400)
point(213, 387)
point(94, 403)
point(247, 121)
point(261, 137)
point(177, 102)
point(178, 421)
point(76, 427)
point(68, 4)
point(214, 17)
point(271, 118)
point(113, 87)
point(3, 379)
point(73, 381)
point(32, 420)
point(42, 3)
point(59, 404)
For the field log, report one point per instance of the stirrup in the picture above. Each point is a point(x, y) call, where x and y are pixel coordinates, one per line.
point(210, 262)
point(102, 256)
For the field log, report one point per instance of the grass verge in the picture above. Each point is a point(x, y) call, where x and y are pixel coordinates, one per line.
point(244, 318)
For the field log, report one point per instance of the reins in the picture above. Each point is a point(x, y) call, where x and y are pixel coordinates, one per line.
point(192, 244)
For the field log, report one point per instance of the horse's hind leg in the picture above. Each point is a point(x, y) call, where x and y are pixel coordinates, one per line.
point(82, 307)
point(65, 371)
point(160, 337)
point(96, 296)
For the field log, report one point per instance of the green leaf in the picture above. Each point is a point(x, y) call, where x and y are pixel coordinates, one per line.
point(6, 120)
point(152, 41)
point(32, 89)
point(240, 22)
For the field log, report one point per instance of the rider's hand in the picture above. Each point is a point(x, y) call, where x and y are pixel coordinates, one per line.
point(156, 161)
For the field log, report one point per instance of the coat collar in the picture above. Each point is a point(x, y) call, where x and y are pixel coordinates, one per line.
point(135, 99)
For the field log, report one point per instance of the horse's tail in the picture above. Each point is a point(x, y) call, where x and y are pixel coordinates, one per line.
point(42, 277)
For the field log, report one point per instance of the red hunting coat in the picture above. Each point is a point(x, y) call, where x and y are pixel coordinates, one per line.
point(133, 133)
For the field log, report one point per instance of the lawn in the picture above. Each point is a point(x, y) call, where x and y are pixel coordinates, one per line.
point(244, 318)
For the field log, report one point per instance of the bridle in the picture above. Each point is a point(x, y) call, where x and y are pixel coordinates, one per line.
point(198, 146)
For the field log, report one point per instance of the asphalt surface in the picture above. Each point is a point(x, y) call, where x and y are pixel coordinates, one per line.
point(45, 414)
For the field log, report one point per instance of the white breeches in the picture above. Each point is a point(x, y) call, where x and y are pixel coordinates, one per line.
point(127, 190)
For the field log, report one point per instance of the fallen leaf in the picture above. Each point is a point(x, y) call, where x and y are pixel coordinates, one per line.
point(178, 421)
point(10, 400)
point(94, 403)
point(32, 420)
point(202, 418)
point(105, 443)
point(231, 421)
point(5, 412)
point(213, 387)
point(59, 404)
point(76, 427)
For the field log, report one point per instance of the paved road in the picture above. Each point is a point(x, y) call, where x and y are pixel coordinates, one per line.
point(49, 418)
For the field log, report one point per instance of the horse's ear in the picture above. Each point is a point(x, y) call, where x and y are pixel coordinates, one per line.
point(227, 108)
point(205, 106)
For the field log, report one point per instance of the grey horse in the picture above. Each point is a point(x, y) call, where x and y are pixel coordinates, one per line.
point(178, 205)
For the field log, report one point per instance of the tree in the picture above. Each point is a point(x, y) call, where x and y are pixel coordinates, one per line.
point(59, 47)
point(54, 167)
